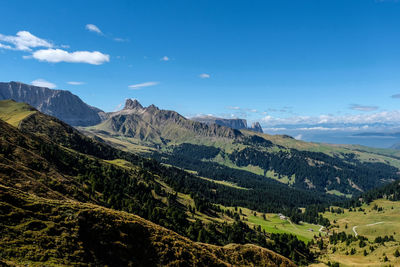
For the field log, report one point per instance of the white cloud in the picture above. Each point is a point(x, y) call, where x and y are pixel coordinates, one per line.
point(165, 58)
point(298, 137)
point(59, 55)
point(204, 76)
point(93, 28)
point(43, 83)
point(5, 46)
point(24, 41)
point(323, 121)
point(363, 108)
point(75, 83)
point(141, 85)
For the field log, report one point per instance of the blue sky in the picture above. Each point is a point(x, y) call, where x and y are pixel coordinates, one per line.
point(304, 64)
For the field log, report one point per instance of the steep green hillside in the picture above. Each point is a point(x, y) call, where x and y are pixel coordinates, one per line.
point(13, 112)
point(39, 231)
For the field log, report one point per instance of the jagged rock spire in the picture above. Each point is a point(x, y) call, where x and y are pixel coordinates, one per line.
point(132, 104)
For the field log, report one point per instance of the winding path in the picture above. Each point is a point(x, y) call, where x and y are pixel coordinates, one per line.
point(371, 224)
point(374, 223)
point(354, 230)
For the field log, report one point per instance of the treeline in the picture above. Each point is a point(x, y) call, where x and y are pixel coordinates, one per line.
point(264, 195)
point(323, 171)
point(390, 192)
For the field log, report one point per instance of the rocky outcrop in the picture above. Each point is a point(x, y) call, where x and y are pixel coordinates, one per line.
point(58, 103)
point(239, 124)
point(157, 125)
point(256, 127)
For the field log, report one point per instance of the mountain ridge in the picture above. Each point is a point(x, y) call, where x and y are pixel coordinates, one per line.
point(158, 125)
point(239, 124)
point(59, 103)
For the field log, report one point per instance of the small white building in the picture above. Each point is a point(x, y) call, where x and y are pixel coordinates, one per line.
point(282, 217)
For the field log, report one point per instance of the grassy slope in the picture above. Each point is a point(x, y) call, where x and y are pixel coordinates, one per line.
point(370, 224)
point(13, 112)
point(273, 224)
point(39, 231)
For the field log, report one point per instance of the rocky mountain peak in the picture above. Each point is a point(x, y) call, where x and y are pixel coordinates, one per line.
point(256, 127)
point(132, 104)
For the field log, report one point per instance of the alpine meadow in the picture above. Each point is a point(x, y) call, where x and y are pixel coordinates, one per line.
point(200, 133)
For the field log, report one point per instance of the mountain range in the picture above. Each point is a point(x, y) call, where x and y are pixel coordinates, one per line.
point(182, 179)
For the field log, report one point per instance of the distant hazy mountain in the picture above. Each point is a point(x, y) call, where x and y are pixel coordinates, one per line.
point(239, 124)
point(59, 103)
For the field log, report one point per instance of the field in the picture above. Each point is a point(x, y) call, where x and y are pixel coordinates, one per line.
point(274, 224)
point(369, 222)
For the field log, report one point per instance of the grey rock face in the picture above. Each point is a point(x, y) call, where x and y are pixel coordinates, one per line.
point(132, 104)
point(232, 123)
point(239, 124)
point(58, 103)
point(256, 127)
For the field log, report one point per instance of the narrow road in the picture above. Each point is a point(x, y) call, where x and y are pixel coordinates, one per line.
point(354, 230)
point(320, 229)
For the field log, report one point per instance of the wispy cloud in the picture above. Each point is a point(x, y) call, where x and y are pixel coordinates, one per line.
point(75, 83)
point(233, 108)
point(118, 107)
point(298, 137)
point(165, 58)
point(204, 75)
point(396, 96)
point(117, 39)
point(59, 55)
point(43, 83)
point(5, 46)
point(23, 41)
point(142, 85)
point(93, 28)
point(363, 108)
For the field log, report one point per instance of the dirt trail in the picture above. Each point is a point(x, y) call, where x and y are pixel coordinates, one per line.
point(371, 224)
